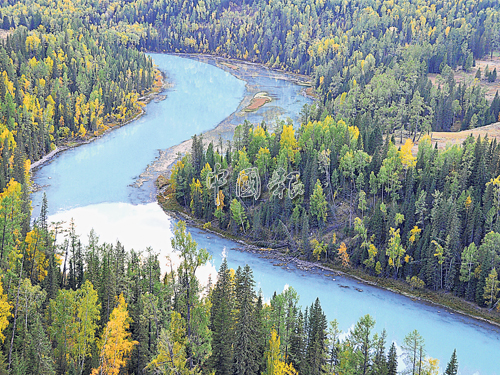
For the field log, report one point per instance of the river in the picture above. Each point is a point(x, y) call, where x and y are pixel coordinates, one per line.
point(95, 185)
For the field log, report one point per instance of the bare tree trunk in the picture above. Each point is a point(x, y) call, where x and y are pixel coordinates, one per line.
point(189, 323)
point(64, 267)
point(3, 235)
point(33, 260)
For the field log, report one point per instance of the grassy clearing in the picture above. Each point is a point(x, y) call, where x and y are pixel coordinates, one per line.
point(468, 77)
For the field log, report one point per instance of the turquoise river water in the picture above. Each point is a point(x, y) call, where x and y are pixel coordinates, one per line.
point(93, 184)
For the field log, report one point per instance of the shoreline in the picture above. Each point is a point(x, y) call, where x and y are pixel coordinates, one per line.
point(298, 78)
point(80, 142)
point(167, 157)
point(310, 266)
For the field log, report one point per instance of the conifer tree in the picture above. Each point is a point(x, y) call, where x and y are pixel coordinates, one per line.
point(379, 360)
point(362, 343)
point(261, 336)
point(413, 351)
point(246, 361)
point(39, 353)
point(452, 368)
point(316, 346)
point(221, 324)
point(298, 344)
point(392, 361)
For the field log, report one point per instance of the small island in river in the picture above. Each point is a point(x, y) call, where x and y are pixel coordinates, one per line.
point(258, 101)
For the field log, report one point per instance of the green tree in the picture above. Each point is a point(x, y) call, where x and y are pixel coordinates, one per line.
point(39, 353)
point(171, 357)
point(318, 203)
point(238, 213)
point(491, 288)
point(74, 316)
point(316, 351)
point(395, 251)
point(191, 259)
point(452, 367)
point(379, 360)
point(246, 361)
point(392, 361)
point(362, 344)
point(221, 322)
point(413, 352)
point(469, 262)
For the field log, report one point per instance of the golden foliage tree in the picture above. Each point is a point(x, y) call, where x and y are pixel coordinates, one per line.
point(288, 142)
point(5, 308)
point(406, 156)
point(344, 257)
point(276, 364)
point(115, 344)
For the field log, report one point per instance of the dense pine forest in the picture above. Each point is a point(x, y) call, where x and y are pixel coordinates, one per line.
point(346, 186)
point(431, 219)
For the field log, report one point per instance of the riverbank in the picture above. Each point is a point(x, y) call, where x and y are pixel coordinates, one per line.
point(236, 65)
point(258, 104)
point(449, 303)
point(154, 94)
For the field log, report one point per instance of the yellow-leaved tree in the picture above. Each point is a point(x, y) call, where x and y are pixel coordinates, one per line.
point(276, 364)
point(288, 142)
point(5, 308)
point(36, 255)
point(171, 357)
point(406, 155)
point(344, 257)
point(115, 344)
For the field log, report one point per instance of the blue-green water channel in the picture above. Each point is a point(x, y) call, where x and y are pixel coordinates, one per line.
point(93, 185)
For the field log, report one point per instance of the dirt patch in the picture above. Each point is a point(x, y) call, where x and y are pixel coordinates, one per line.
point(258, 101)
point(311, 93)
point(451, 138)
point(230, 66)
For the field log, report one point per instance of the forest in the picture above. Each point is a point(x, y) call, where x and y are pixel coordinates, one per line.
point(348, 186)
point(431, 219)
point(113, 312)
